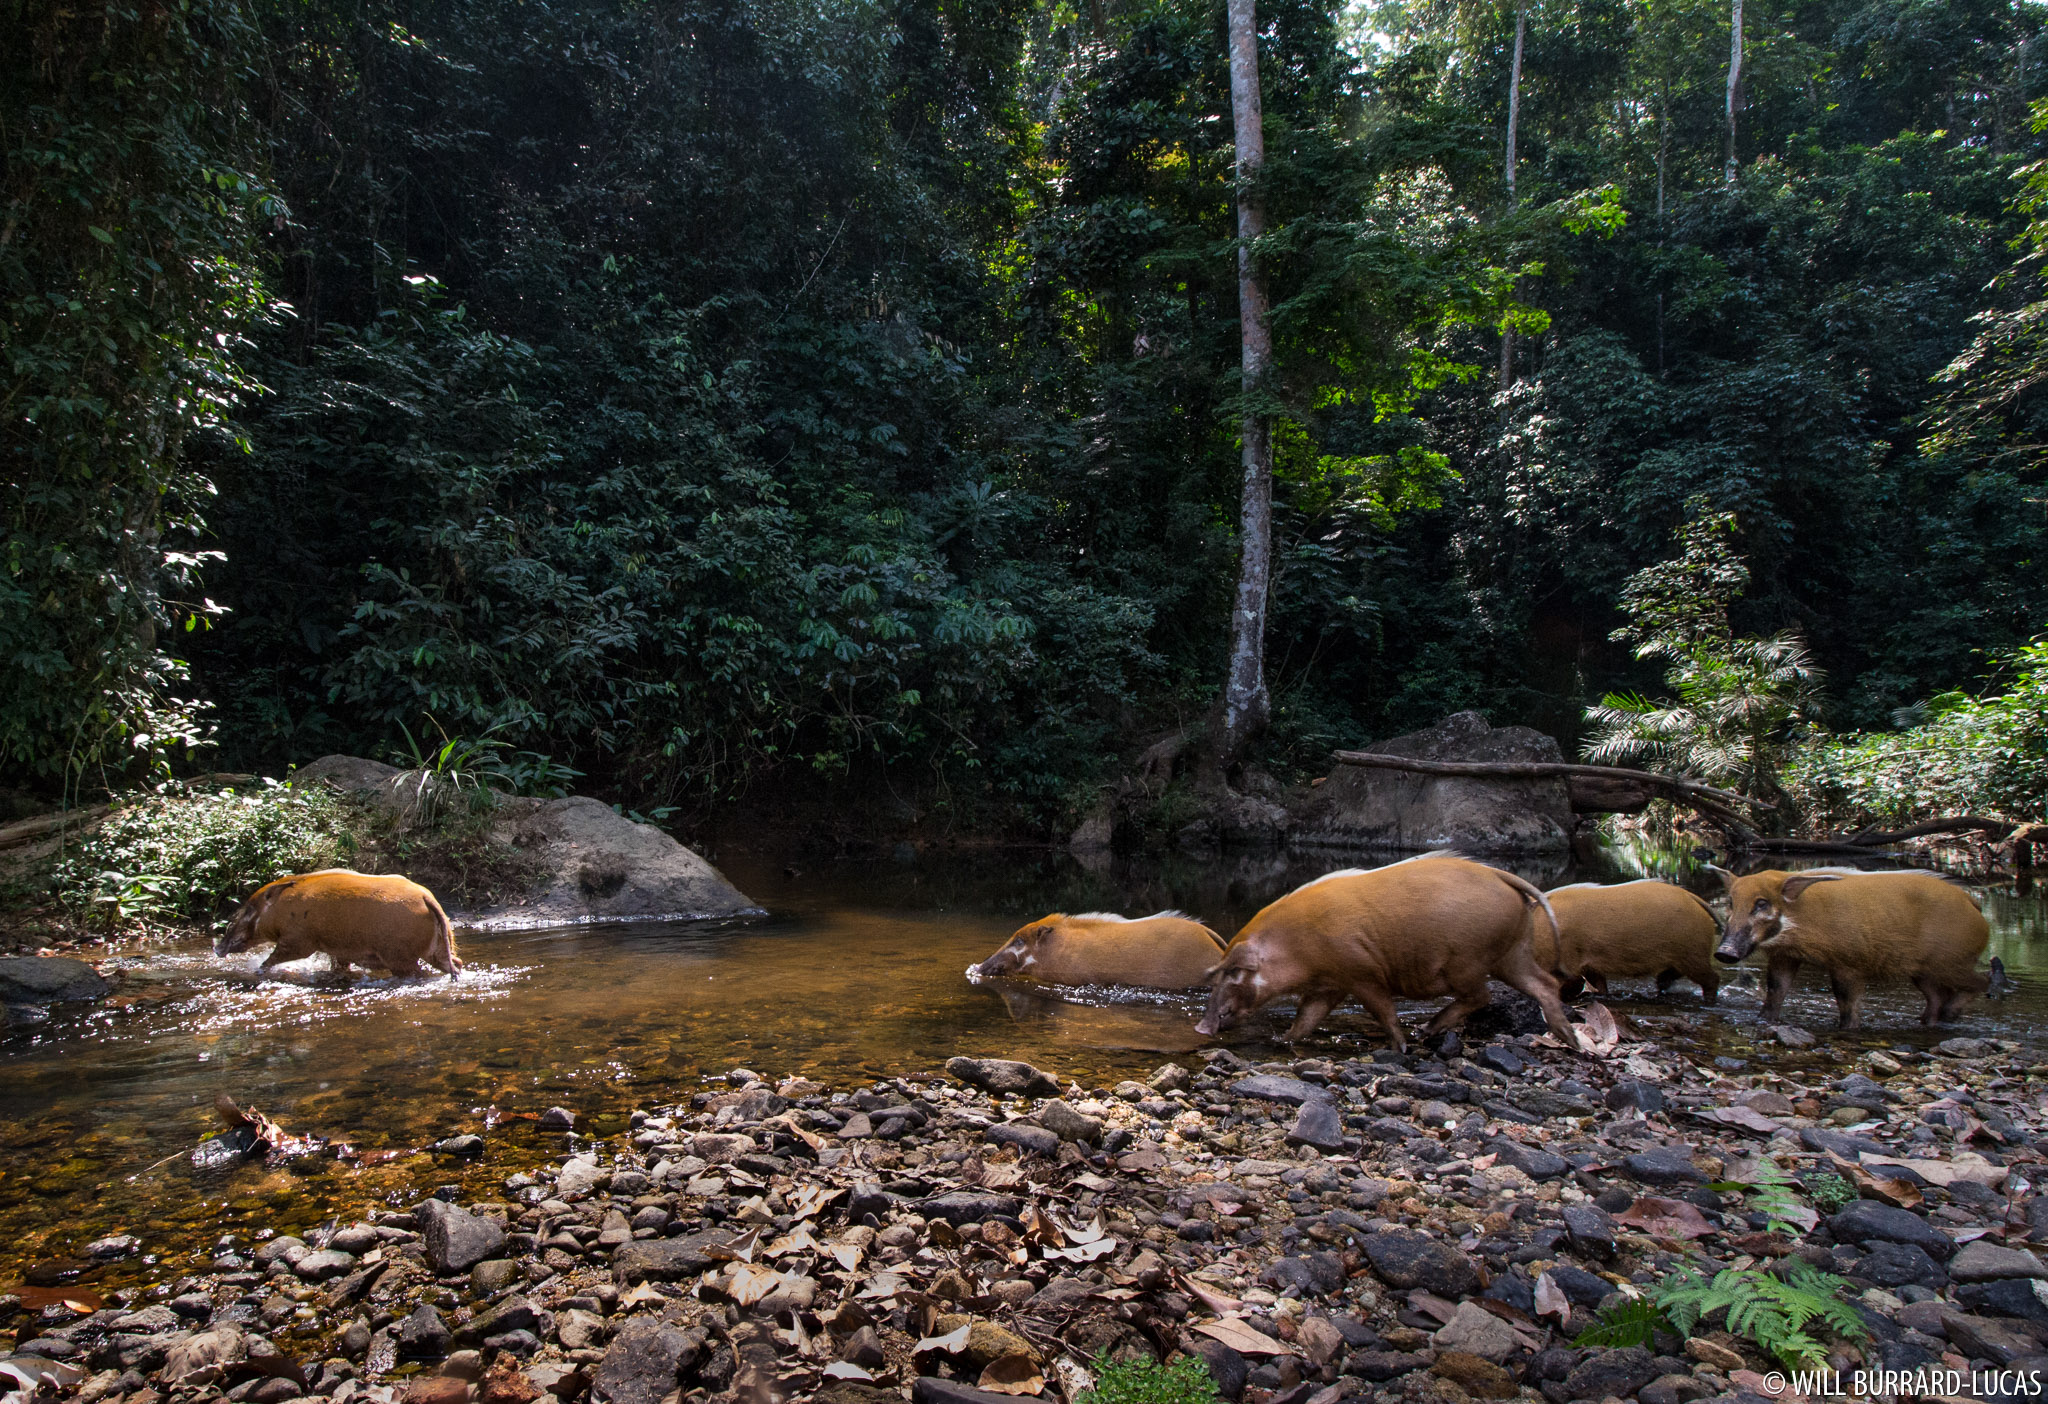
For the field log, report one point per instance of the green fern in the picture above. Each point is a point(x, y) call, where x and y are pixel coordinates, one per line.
point(1775, 1195)
point(1774, 1312)
point(1633, 1323)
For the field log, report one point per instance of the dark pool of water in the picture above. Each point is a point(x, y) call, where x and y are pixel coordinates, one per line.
point(857, 974)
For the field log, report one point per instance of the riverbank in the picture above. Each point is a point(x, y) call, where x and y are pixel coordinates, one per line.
point(1439, 1227)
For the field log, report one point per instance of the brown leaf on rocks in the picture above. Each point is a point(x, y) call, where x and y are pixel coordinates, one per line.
point(952, 1342)
point(1899, 1193)
point(1600, 1033)
point(1012, 1374)
point(1665, 1218)
point(1243, 1339)
point(1550, 1299)
point(1742, 1118)
point(1217, 1302)
point(813, 1197)
point(846, 1370)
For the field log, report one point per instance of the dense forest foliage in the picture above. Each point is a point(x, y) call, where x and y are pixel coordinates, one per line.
point(708, 392)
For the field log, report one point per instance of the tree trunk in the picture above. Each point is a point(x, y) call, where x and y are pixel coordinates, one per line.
point(1507, 337)
point(1245, 704)
point(1734, 80)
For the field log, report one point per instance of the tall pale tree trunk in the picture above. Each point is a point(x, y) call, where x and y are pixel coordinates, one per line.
point(1734, 80)
point(1245, 704)
point(1507, 338)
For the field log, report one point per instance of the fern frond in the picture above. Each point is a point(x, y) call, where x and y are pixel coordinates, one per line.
point(1630, 1324)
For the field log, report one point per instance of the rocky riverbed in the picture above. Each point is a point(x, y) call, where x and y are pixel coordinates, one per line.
point(1438, 1226)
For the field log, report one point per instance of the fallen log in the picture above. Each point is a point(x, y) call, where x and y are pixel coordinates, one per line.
point(1715, 804)
point(29, 830)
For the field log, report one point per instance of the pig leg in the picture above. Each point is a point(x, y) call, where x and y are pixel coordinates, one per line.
point(1572, 988)
point(1598, 982)
point(1457, 1011)
point(1380, 1005)
point(1521, 971)
point(1703, 975)
point(1778, 973)
point(1848, 997)
point(1315, 1007)
point(291, 946)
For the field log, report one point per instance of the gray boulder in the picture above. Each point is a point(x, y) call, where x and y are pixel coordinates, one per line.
point(594, 864)
point(643, 1363)
point(1366, 808)
point(50, 980)
point(456, 1240)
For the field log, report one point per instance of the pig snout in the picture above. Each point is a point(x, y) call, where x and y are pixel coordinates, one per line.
point(1734, 946)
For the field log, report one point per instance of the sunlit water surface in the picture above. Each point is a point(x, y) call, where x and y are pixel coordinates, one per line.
point(857, 974)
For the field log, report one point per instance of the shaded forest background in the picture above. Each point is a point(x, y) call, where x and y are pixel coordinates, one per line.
point(711, 394)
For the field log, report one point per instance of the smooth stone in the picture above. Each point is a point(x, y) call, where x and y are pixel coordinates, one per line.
point(1310, 1275)
point(455, 1239)
point(1006, 1077)
point(1033, 1140)
point(1866, 1219)
point(1536, 1163)
point(1320, 1125)
point(1404, 1258)
point(1664, 1166)
point(50, 980)
point(1632, 1095)
point(1985, 1261)
point(1591, 1229)
point(969, 1207)
point(1478, 1331)
point(1270, 1088)
point(1611, 1373)
point(423, 1335)
point(1068, 1124)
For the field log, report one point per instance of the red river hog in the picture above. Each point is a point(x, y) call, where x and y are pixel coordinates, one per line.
point(1165, 951)
point(1646, 927)
point(1416, 929)
point(1912, 926)
point(356, 918)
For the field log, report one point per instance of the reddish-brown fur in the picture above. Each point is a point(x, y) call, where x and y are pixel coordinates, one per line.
point(1916, 927)
point(1166, 952)
point(355, 918)
point(1629, 928)
point(1412, 930)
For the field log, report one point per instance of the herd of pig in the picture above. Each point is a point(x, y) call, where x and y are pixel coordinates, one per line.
point(1422, 928)
point(1443, 925)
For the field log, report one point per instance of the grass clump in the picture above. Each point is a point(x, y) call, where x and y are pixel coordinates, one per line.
point(190, 855)
point(1185, 1381)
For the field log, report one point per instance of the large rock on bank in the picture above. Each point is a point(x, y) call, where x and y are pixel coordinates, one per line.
point(49, 980)
point(1366, 808)
point(595, 864)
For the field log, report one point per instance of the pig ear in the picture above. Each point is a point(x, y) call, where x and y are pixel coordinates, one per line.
point(1727, 878)
point(1799, 882)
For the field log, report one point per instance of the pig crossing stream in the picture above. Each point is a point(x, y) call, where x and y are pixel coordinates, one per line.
point(858, 974)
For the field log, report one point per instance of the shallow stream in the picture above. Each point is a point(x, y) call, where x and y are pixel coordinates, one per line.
point(857, 974)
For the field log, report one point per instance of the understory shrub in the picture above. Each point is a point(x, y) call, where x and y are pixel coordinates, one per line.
point(191, 854)
point(1958, 754)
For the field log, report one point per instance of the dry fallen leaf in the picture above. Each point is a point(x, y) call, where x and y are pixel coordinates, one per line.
point(846, 1370)
point(1600, 1033)
point(1742, 1118)
point(747, 1284)
point(1216, 1301)
point(1243, 1339)
point(1083, 1252)
point(1665, 1218)
point(1899, 1193)
point(798, 1240)
point(1012, 1374)
point(951, 1343)
point(1550, 1299)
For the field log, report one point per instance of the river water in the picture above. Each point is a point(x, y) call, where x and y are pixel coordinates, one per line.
point(857, 974)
